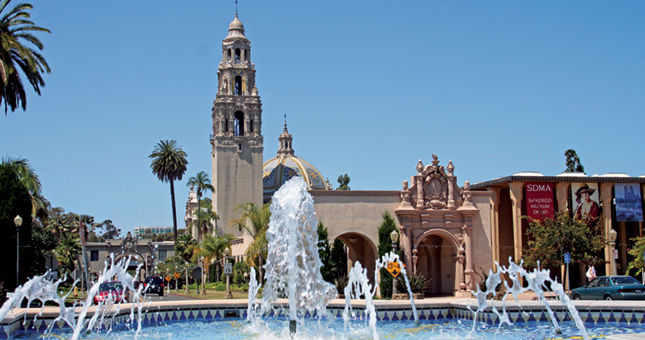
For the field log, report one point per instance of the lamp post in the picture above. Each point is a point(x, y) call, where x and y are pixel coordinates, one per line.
point(168, 281)
point(187, 290)
point(394, 236)
point(18, 222)
point(228, 295)
point(176, 278)
point(612, 239)
point(203, 281)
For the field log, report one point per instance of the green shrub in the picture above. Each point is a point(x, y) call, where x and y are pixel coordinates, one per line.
point(418, 283)
point(239, 279)
point(341, 283)
point(220, 286)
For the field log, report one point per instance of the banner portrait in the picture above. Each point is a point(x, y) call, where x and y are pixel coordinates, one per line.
point(585, 200)
point(539, 200)
point(628, 202)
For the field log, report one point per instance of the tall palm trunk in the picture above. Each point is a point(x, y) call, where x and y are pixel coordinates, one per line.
point(174, 210)
point(199, 214)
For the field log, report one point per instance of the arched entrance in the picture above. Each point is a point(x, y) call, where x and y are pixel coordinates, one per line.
point(136, 260)
point(437, 252)
point(360, 248)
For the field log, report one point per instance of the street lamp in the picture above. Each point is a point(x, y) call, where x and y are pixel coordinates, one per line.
point(394, 236)
point(176, 278)
point(187, 290)
point(18, 222)
point(203, 281)
point(612, 239)
point(228, 295)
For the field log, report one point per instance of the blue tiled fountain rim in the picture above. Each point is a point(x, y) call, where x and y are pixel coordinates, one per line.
point(526, 315)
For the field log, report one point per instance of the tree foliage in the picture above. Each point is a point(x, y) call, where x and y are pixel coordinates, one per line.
point(15, 54)
point(385, 246)
point(550, 239)
point(324, 253)
point(339, 258)
point(202, 183)
point(255, 220)
point(343, 181)
point(100, 232)
point(206, 217)
point(573, 162)
point(169, 164)
point(67, 252)
point(637, 251)
point(14, 200)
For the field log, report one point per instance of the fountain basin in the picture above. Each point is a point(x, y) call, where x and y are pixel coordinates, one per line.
point(526, 312)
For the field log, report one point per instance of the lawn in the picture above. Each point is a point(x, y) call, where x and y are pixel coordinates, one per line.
point(210, 294)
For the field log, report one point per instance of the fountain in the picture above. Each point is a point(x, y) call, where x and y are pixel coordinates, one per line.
point(44, 289)
point(293, 265)
point(536, 280)
point(293, 272)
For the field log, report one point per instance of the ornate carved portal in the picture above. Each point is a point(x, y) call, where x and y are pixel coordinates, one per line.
point(436, 218)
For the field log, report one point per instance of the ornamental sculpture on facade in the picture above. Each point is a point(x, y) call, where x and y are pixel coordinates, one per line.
point(433, 187)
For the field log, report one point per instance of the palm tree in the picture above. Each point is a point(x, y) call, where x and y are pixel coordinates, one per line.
point(169, 164)
point(255, 220)
point(15, 28)
point(206, 216)
point(68, 251)
point(202, 183)
point(212, 248)
point(184, 246)
point(31, 182)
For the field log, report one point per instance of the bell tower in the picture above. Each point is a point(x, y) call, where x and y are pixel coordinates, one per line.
point(237, 142)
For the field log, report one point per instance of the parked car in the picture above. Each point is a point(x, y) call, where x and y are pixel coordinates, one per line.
point(113, 291)
point(618, 287)
point(153, 284)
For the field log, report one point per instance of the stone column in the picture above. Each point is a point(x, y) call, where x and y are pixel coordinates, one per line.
point(606, 195)
point(406, 243)
point(494, 222)
point(420, 198)
point(516, 199)
point(469, 256)
point(562, 195)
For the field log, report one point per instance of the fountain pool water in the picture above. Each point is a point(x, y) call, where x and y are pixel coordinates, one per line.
point(311, 329)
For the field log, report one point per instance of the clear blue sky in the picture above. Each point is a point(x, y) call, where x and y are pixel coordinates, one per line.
point(369, 88)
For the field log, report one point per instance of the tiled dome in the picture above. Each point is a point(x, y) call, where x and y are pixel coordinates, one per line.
point(278, 170)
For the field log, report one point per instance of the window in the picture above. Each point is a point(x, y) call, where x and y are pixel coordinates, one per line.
point(238, 55)
point(229, 54)
point(162, 255)
point(238, 129)
point(238, 86)
point(94, 255)
point(226, 125)
point(603, 282)
point(251, 127)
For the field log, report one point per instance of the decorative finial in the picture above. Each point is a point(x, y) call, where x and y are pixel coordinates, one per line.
point(235, 9)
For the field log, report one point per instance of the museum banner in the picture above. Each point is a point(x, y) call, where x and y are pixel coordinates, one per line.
point(628, 202)
point(585, 201)
point(539, 200)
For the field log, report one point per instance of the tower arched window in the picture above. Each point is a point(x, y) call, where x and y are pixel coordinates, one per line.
point(238, 86)
point(238, 54)
point(229, 54)
point(238, 126)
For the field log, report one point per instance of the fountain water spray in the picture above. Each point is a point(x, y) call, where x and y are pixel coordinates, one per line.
point(358, 286)
point(536, 281)
point(293, 264)
point(43, 288)
point(392, 257)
